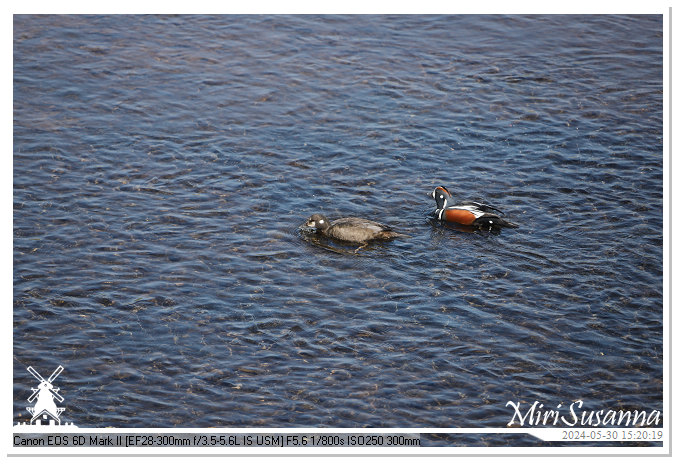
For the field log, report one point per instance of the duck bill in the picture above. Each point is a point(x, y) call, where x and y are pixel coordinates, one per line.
point(306, 228)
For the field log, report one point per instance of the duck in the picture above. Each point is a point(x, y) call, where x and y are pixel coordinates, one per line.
point(351, 229)
point(470, 213)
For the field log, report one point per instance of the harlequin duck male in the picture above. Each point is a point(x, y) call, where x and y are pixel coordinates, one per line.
point(468, 213)
point(351, 229)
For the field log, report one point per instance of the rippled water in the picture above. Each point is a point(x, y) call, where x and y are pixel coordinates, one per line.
point(162, 166)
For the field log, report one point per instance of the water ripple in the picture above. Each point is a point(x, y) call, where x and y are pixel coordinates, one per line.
point(162, 166)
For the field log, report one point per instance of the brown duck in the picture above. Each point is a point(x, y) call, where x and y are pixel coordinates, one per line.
point(351, 229)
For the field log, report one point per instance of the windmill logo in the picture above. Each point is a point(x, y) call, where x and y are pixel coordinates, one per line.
point(45, 412)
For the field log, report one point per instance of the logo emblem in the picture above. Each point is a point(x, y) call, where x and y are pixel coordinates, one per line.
point(45, 412)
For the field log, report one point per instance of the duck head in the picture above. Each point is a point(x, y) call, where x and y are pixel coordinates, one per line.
point(318, 222)
point(442, 197)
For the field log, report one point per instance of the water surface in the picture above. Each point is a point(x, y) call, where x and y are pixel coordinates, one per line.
point(162, 166)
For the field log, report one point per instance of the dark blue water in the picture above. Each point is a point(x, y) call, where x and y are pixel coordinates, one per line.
point(162, 166)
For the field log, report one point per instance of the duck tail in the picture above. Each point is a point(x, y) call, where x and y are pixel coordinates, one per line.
point(391, 234)
point(503, 223)
point(495, 221)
